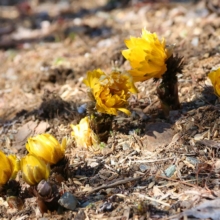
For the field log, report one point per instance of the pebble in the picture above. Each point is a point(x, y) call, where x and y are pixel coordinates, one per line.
point(82, 108)
point(68, 201)
point(143, 167)
point(170, 170)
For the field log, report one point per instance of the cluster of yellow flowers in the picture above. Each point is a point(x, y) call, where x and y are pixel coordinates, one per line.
point(43, 149)
point(147, 56)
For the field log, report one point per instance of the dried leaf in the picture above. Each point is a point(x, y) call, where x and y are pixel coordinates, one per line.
point(207, 209)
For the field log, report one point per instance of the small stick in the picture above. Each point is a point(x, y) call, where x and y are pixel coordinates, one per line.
point(179, 181)
point(152, 161)
point(115, 184)
point(152, 199)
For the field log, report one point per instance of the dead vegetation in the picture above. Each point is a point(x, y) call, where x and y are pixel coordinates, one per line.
point(151, 167)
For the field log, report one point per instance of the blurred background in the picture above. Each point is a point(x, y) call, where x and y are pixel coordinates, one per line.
point(13, 2)
point(56, 20)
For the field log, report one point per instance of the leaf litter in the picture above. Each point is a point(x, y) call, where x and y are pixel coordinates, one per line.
point(151, 167)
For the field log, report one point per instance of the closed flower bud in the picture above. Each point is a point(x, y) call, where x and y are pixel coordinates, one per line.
point(9, 166)
point(34, 169)
point(44, 188)
point(47, 147)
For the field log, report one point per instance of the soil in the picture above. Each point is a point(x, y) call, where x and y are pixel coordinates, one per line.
point(152, 167)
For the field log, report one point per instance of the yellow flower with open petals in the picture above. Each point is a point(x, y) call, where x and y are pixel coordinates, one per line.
point(111, 92)
point(214, 76)
point(47, 147)
point(9, 167)
point(34, 169)
point(84, 135)
point(147, 56)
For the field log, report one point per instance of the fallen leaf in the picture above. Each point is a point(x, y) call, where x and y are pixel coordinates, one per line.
point(158, 134)
point(207, 209)
point(31, 128)
point(23, 133)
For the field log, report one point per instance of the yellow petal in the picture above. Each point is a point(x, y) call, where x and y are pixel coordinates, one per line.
point(83, 134)
point(214, 76)
point(34, 169)
point(126, 111)
point(6, 169)
point(147, 56)
point(111, 91)
point(15, 164)
point(92, 77)
point(47, 147)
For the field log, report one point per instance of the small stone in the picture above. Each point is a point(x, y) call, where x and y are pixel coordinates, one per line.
point(68, 201)
point(143, 167)
point(170, 170)
point(82, 108)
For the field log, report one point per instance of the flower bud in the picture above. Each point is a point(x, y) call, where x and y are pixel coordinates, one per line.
point(47, 147)
point(34, 169)
point(44, 188)
point(9, 166)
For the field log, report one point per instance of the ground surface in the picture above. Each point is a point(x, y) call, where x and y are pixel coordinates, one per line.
point(152, 167)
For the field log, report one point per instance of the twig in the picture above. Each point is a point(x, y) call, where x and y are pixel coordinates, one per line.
point(151, 199)
point(127, 157)
point(179, 181)
point(176, 183)
point(152, 161)
point(115, 184)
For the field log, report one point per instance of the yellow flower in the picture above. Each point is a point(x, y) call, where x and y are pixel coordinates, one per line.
point(214, 76)
point(84, 135)
point(111, 92)
point(47, 147)
point(147, 56)
point(9, 167)
point(34, 169)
